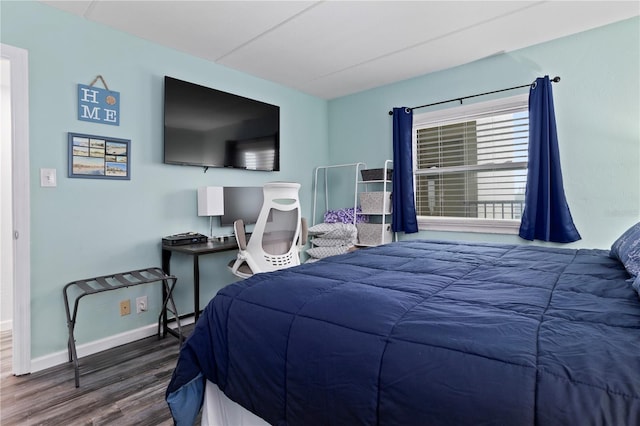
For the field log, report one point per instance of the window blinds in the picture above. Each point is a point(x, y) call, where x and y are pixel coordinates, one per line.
point(474, 167)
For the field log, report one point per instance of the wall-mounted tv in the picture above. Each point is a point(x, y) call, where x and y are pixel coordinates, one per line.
point(209, 128)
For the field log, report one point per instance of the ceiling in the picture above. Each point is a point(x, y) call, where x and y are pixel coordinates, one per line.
point(334, 48)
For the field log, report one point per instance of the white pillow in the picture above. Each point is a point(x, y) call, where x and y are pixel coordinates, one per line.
point(322, 252)
point(321, 228)
point(330, 242)
point(344, 231)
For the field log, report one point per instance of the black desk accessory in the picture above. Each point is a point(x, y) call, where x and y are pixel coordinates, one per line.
point(184, 239)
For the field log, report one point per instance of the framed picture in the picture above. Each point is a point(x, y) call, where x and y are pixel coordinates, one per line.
point(99, 157)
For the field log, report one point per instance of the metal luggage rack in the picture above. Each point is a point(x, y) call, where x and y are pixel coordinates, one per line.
point(114, 282)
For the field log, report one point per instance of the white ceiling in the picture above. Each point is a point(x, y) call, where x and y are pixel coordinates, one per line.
point(334, 48)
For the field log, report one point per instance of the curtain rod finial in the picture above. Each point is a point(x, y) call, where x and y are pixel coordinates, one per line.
point(555, 79)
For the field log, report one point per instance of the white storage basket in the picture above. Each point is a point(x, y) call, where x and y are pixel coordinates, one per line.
point(373, 234)
point(375, 202)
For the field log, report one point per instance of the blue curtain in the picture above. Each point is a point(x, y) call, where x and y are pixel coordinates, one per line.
point(546, 213)
point(404, 208)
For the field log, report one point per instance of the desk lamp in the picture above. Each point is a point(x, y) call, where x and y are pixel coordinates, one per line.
point(210, 203)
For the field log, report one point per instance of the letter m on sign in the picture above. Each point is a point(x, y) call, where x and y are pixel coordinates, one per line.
point(98, 105)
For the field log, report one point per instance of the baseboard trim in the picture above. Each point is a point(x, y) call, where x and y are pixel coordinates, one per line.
point(62, 357)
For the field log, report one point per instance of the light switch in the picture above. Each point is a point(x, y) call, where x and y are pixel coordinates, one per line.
point(48, 177)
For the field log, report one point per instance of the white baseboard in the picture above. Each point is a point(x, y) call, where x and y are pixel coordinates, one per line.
point(58, 358)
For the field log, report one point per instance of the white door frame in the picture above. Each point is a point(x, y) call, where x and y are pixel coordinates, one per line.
point(21, 334)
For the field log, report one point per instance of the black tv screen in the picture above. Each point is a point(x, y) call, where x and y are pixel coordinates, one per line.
point(210, 128)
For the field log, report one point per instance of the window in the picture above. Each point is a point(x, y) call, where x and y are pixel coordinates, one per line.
point(471, 166)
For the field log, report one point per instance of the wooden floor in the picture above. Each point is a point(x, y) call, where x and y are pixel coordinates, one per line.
point(120, 386)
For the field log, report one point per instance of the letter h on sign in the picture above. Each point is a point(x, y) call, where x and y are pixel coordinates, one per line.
point(98, 105)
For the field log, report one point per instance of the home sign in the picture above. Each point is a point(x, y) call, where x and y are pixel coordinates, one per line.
point(98, 105)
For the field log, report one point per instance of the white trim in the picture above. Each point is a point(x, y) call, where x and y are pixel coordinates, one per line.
point(475, 110)
point(90, 348)
point(465, 224)
point(21, 335)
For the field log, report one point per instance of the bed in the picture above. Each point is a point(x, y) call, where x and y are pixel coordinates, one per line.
point(422, 332)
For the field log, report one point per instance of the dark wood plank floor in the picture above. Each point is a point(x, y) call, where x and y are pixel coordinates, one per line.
point(120, 386)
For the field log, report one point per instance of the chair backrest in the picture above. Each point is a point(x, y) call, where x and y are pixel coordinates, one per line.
point(274, 242)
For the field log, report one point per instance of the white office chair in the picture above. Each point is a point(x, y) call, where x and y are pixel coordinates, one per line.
point(279, 234)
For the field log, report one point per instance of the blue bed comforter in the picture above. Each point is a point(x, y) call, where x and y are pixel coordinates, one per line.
point(424, 333)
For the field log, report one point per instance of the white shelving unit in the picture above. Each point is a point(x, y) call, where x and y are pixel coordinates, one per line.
point(334, 238)
point(377, 205)
point(322, 172)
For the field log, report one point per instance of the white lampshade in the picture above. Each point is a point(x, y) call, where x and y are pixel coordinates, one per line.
point(210, 201)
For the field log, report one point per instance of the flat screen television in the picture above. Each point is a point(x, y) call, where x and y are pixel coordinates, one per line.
point(209, 128)
point(241, 202)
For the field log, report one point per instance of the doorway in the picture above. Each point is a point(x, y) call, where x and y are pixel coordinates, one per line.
point(15, 201)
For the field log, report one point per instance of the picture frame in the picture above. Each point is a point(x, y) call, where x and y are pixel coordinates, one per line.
point(98, 157)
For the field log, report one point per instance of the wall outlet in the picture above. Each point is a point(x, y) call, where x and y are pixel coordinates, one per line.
point(125, 307)
point(141, 304)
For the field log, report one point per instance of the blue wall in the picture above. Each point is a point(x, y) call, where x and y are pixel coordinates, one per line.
point(89, 227)
point(84, 227)
point(597, 107)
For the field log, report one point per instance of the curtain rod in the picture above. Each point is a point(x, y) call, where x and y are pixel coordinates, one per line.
point(554, 79)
